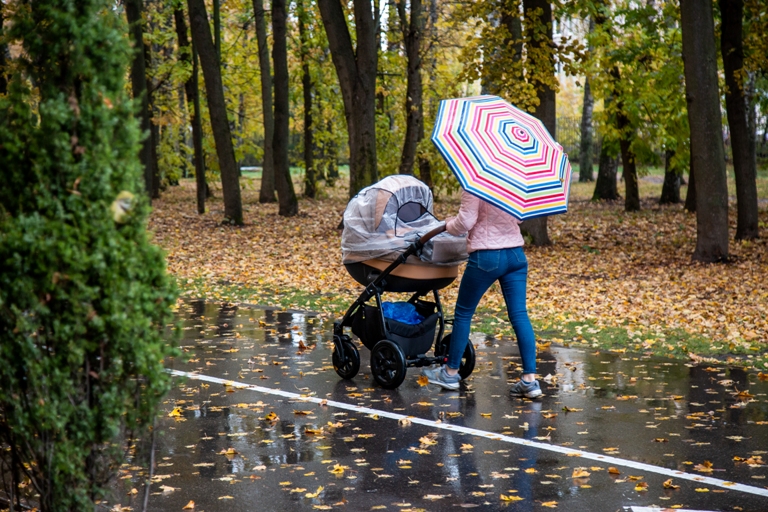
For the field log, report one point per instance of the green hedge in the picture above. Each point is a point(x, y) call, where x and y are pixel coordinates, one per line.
point(84, 296)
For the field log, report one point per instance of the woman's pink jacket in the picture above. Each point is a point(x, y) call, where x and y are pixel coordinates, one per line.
point(489, 227)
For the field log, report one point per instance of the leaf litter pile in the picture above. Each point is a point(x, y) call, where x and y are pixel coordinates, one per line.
point(612, 280)
point(220, 447)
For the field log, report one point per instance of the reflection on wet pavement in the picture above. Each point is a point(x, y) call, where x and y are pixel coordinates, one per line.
point(229, 449)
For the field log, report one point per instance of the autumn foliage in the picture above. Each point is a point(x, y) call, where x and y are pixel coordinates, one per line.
point(607, 268)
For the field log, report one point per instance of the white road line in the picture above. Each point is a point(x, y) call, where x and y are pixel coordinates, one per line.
point(606, 459)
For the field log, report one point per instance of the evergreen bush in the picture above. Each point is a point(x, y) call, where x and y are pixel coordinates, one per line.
point(84, 296)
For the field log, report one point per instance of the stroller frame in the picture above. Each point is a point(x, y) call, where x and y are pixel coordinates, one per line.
point(388, 359)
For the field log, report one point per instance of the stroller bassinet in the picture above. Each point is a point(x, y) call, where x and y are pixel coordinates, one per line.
point(393, 243)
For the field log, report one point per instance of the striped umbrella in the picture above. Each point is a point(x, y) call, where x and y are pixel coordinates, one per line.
point(503, 155)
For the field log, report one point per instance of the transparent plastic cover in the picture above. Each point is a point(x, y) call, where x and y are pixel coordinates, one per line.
point(382, 220)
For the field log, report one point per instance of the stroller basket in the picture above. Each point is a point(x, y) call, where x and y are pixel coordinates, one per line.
point(413, 339)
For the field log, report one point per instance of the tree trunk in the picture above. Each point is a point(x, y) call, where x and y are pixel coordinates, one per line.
point(310, 177)
point(286, 196)
point(414, 111)
point(690, 196)
point(267, 192)
point(546, 111)
point(585, 149)
point(217, 108)
point(670, 191)
point(217, 28)
point(133, 10)
point(605, 185)
point(154, 131)
point(742, 141)
point(628, 162)
point(707, 153)
point(331, 156)
point(356, 69)
point(187, 53)
point(241, 108)
point(425, 167)
point(201, 183)
point(628, 158)
point(587, 130)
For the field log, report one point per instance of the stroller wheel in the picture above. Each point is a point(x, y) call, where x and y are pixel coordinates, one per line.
point(388, 364)
point(467, 365)
point(349, 367)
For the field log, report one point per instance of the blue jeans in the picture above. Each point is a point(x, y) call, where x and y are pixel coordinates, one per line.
point(510, 268)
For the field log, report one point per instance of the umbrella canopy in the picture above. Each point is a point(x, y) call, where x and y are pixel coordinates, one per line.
point(503, 155)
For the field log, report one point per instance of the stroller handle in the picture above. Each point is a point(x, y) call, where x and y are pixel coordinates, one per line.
point(430, 235)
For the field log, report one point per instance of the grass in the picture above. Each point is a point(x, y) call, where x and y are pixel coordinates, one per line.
point(296, 172)
point(602, 260)
point(673, 343)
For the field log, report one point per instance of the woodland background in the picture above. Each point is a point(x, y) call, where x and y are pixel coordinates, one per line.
point(319, 85)
point(607, 78)
point(301, 104)
point(206, 149)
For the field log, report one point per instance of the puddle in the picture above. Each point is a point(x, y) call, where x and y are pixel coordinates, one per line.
point(235, 449)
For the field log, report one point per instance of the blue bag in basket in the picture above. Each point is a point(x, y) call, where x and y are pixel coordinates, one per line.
point(404, 312)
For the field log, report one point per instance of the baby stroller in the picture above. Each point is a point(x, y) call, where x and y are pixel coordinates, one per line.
point(393, 243)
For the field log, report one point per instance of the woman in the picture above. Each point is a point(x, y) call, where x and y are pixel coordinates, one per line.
point(495, 248)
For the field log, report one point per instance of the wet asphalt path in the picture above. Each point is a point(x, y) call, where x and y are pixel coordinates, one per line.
point(609, 432)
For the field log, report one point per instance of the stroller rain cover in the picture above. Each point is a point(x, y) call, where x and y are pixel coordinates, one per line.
point(383, 219)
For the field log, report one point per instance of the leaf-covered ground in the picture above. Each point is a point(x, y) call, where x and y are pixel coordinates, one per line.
point(612, 279)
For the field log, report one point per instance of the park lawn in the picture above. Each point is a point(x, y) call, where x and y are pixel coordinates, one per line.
point(612, 280)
